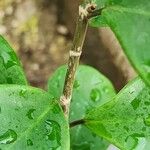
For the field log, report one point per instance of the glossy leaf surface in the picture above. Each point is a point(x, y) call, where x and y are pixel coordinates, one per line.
point(30, 119)
point(124, 121)
point(11, 71)
point(130, 22)
point(90, 89)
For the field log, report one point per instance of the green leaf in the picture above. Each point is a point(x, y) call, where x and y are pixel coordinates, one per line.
point(90, 89)
point(11, 71)
point(124, 121)
point(30, 119)
point(130, 22)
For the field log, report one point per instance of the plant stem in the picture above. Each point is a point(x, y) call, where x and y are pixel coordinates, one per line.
point(75, 53)
point(73, 62)
point(77, 122)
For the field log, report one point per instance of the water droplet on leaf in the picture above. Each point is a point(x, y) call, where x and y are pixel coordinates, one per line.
point(76, 84)
point(147, 121)
point(105, 89)
point(22, 93)
point(131, 142)
point(29, 142)
point(95, 95)
point(30, 114)
point(132, 91)
point(126, 128)
point(8, 137)
point(135, 103)
point(53, 133)
point(9, 80)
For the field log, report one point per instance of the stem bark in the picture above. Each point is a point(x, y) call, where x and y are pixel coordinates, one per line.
point(73, 62)
point(75, 52)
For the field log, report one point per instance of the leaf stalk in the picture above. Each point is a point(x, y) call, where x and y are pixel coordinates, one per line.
point(77, 122)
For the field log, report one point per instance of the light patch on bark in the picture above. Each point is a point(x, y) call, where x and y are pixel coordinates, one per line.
point(79, 49)
point(64, 101)
point(75, 54)
point(84, 11)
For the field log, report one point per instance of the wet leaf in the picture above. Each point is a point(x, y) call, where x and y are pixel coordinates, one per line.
point(31, 121)
point(11, 71)
point(130, 22)
point(90, 89)
point(124, 121)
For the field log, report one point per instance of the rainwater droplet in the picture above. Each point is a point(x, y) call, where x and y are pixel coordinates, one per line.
point(135, 103)
point(57, 84)
point(95, 95)
point(53, 133)
point(29, 142)
point(131, 92)
point(147, 121)
point(112, 115)
point(22, 93)
point(105, 89)
point(17, 108)
point(30, 113)
point(12, 93)
point(76, 84)
point(9, 80)
point(126, 128)
point(8, 137)
point(131, 142)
